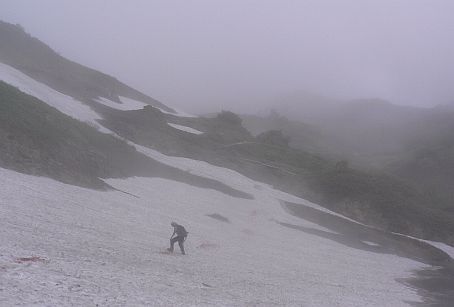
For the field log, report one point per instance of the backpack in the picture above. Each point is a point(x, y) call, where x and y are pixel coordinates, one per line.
point(181, 231)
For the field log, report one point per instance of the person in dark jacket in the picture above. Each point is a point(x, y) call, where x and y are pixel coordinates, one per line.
point(181, 235)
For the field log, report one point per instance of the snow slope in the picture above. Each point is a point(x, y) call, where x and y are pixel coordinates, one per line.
point(105, 248)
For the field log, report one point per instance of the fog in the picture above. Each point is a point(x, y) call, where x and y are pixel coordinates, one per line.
point(205, 55)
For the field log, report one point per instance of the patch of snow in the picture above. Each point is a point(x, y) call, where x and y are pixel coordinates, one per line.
point(371, 243)
point(448, 249)
point(65, 104)
point(270, 166)
point(178, 112)
point(127, 105)
point(238, 143)
point(231, 178)
point(106, 248)
point(185, 128)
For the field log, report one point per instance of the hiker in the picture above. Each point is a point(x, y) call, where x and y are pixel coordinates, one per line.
point(180, 238)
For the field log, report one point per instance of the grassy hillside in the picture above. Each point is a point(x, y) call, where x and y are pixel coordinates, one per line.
point(429, 161)
point(38, 139)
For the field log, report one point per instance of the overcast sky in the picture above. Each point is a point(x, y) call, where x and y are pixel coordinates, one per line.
point(204, 55)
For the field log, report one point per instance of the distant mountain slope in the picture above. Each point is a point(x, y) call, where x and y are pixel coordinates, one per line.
point(307, 137)
point(414, 144)
point(360, 131)
point(31, 56)
point(428, 160)
point(367, 131)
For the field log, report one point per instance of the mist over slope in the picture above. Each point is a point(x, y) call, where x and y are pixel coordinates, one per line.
point(358, 128)
point(118, 166)
point(40, 62)
point(414, 144)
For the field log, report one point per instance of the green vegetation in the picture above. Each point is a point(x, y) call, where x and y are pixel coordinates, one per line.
point(39, 140)
point(430, 167)
point(273, 137)
point(384, 201)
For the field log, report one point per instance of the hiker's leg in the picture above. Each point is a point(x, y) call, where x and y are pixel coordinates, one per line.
point(172, 242)
point(181, 244)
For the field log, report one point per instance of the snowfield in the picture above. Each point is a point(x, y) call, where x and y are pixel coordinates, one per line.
point(124, 106)
point(185, 128)
point(106, 248)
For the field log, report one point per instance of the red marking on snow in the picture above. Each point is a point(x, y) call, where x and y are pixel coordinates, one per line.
point(29, 259)
point(247, 231)
point(253, 213)
point(207, 245)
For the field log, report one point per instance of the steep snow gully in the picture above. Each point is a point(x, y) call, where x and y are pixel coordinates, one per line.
point(63, 245)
